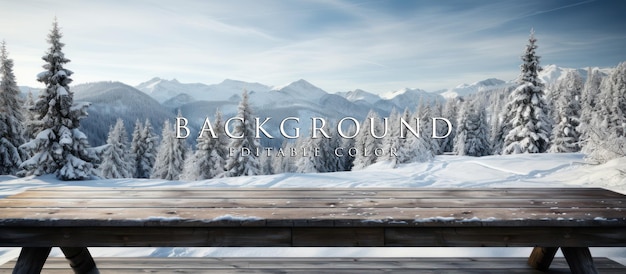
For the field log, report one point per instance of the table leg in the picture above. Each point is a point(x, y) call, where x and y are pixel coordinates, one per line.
point(80, 259)
point(579, 260)
point(31, 260)
point(542, 257)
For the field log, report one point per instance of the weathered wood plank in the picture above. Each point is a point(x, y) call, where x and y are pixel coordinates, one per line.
point(143, 237)
point(312, 203)
point(353, 217)
point(579, 260)
point(542, 257)
point(338, 237)
point(295, 193)
point(311, 265)
point(505, 237)
point(31, 260)
point(281, 236)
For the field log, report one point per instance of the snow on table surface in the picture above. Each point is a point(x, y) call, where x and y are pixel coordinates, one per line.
point(526, 170)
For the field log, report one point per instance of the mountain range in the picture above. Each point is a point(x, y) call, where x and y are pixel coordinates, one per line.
point(159, 99)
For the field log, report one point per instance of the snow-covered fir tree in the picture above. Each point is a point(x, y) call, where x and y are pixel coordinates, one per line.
point(59, 146)
point(346, 160)
point(472, 132)
point(334, 162)
point(116, 161)
point(500, 120)
point(170, 158)
point(450, 112)
point(240, 163)
point(283, 164)
point(11, 119)
point(425, 113)
point(136, 148)
point(307, 161)
point(222, 140)
point(565, 135)
point(392, 141)
point(588, 100)
point(414, 148)
point(266, 164)
point(206, 162)
point(30, 122)
point(148, 151)
point(607, 129)
point(441, 128)
point(530, 121)
point(365, 143)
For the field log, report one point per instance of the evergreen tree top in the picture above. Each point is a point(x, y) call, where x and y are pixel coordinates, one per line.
point(55, 59)
point(530, 63)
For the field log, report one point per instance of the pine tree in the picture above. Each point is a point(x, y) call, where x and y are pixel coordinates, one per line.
point(607, 129)
point(116, 162)
point(148, 143)
point(392, 142)
point(307, 162)
point(221, 146)
point(365, 143)
point(500, 121)
point(588, 100)
point(206, 162)
point(530, 122)
point(450, 112)
point(425, 114)
point(11, 119)
point(136, 149)
point(347, 160)
point(472, 131)
point(565, 136)
point(30, 122)
point(283, 164)
point(414, 148)
point(241, 163)
point(59, 146)
point(170, 159)
point(335, 143)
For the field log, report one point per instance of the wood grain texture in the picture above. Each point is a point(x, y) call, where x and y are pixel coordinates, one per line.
point(541, 257)
point(313, 207)
point(317, 265)
point(575, 218)
point(31, 260)
point(313, 236)
point(80, 260)
point(579, 260)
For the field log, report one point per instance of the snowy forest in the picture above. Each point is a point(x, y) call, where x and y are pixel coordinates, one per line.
point(43, 135)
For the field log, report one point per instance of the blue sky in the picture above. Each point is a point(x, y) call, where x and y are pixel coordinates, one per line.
point(376, 45)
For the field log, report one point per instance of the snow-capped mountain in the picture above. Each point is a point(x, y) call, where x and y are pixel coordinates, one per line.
point(162, 90)
point(113, 100)
point(480, 86)
point(552, 73)
point(297, 99)
point(179, 100)
point(411, 98)
point(359, 95)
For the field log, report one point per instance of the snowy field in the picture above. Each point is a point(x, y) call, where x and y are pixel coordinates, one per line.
point(528, 170)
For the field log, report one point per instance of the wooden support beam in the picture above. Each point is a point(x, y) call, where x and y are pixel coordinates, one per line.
point(541, 257)
point(579, 260)
point(31, 260)
point(80, 260)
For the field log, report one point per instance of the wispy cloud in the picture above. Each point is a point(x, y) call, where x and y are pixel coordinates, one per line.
point(338, 45)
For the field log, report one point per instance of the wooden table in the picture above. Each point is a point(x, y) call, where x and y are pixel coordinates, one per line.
point(545, 218)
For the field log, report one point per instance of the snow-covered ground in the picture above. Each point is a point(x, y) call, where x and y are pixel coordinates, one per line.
point(529, 170)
